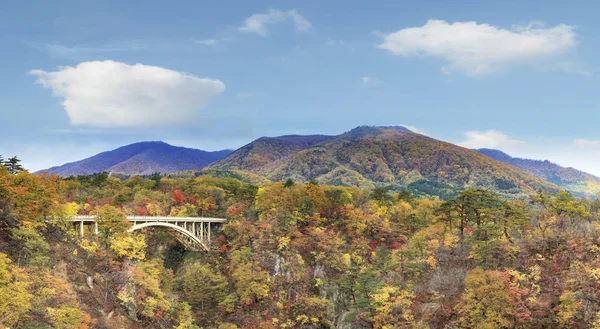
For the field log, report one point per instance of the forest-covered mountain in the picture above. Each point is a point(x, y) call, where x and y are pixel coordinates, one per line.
point(570, 179)
point(392, 157)
point(141, 159)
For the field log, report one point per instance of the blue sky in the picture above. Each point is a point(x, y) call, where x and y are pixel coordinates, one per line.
point(80, 77)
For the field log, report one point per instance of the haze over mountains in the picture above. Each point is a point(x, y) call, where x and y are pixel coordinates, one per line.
point(570, 179)
point(142, 158)
point(392, 157)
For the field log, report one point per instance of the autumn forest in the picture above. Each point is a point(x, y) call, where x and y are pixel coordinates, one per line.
point(293, 255)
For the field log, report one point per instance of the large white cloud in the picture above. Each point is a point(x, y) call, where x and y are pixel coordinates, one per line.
point(113, 94)
point(478, 49)
point(258, 23)
point(492, 139)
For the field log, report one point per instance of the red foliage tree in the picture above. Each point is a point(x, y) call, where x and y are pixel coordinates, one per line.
point(178, 197)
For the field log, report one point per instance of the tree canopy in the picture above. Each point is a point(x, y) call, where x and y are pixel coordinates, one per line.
point(293, 255)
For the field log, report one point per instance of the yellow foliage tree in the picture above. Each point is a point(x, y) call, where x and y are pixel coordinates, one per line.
point(487, 302)
point(251, 282)
point(15, 300)
point(149, 297)
point(130, 245)
point(392, 308)
point(569, 309)
point(111, 220)
point(68, 316)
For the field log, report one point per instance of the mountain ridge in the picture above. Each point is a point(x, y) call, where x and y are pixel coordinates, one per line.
point(393, 157)
point(573, 180)
point(141, 158)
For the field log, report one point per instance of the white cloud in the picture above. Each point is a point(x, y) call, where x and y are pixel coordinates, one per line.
point(412, 128)
point(478, 49)
point(258, 23)
point(491, 139)
point(113, 94)
point(370, 81)
point(586, 143)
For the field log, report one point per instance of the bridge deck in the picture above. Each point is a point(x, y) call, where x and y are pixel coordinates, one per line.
point(91, 218)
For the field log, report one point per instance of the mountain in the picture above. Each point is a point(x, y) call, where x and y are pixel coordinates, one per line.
point(392, 157)
point(142, 159)
point(570, 179)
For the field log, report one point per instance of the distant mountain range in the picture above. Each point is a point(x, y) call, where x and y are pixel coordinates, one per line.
point(570, 179)
point(142, 158)
point(392, 157)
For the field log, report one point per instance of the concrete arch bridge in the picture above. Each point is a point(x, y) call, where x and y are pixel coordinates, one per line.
point(194, 233)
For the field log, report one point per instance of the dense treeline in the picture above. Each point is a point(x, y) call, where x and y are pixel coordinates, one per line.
point(294, 255)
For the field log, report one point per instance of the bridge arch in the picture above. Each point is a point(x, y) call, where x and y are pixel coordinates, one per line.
point(184, 236)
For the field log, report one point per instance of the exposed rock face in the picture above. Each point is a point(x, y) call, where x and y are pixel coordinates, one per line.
point(129, 304)
point(90, 282)
point(127, 292)
point(319, 273)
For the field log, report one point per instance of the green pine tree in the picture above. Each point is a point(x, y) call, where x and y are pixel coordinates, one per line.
point(288, 183)
point(14, 166)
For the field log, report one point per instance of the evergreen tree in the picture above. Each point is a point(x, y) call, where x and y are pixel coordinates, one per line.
point(13, 165)
point(288, 183)
point(156, 176)
point(100, 179)
point(381, 195)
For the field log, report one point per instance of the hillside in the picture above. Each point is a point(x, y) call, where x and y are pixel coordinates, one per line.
point(393, 157)
point(570, 179)
point(141, 159)
point(296, 255)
